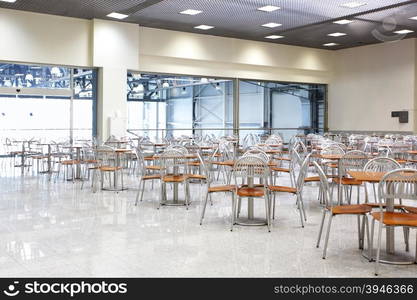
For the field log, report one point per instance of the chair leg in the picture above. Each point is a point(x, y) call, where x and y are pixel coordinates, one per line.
point(378, 251)
point(302, 207)
point(368, 239)
point(406, 232)
point(141, 188)
point(416, 248)
point(233, 211)
point(327, 236)
point(321, 228)
point(203, 211)
point(273, 206)
point(359, 231)
point(371, 250)
point(268, 214)
point(300, 211)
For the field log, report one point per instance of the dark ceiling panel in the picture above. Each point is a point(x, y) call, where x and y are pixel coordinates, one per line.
point(304, 22)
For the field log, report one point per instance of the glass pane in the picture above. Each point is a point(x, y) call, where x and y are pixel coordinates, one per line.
point(31, 76)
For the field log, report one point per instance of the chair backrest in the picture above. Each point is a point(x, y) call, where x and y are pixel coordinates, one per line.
point(303, 173)
point(352, 161)
point(332, 149)
point(178, 148)
point(325, 188)
point(251, 166)
point(398, 184)
point(257, 152)
point(381, 164)
point(171, 161)
point(105, 155)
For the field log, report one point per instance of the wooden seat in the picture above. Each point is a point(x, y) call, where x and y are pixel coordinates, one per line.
point(197, 176)
point(250, 192)
point(221, 188)
point(283, 189)
point(40, 157)
point(312, 179)
point(90, 161)
point(157, 168)
point(376, 205)
point(174, 178)
point(357, 209)
point(332, 165)
point(151, 177)
point(194, 163)
point(397, 218)
point(410, 209)
point(223, 163)
point(110, 169)
point(283, 158)
point(149, 158)
point(70, 162)
point(285, 170)
point(347, 181)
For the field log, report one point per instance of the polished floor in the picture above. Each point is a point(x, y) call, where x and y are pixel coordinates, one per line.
point(52, 229)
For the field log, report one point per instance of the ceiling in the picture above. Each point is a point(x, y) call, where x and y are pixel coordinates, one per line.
point(304, 22)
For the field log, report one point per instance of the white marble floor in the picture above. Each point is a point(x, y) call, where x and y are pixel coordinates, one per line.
point(58, 230)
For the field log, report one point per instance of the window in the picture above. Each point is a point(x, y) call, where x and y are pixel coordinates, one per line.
point(284, 108)
point(165, 105)
point(39, 101)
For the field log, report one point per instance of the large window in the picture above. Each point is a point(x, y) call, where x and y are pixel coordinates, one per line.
point(161, 105)
point(52, 103)
point(284, 108)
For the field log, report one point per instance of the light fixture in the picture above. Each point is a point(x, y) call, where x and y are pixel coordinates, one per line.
point(204, 27)
point(353, 4)
point(343, 22)
point(191, 12)
point(8, 1)
point(336, 34)
point(204, 80)
point(413, 18)
point(165, 85)
point(271, 25)
point(269, 8)
point(330, 44)
point(274, 37)
point(118, 16)
point(404, 31)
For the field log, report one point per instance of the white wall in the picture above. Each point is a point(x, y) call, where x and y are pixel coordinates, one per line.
point(39, 38)
point(369, 83)
point(175, 52)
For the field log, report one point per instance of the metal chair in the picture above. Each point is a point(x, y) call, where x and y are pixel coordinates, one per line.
point(173, 170)
point(245, 171)
point(397, 184)
point(379, 164)
point(297, 190)
point(352, 161)
point(358, 210)
point(144, 174)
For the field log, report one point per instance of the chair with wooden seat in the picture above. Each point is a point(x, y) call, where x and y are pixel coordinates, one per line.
point(173, 170)
point(397, 184)
point(144, 174)
point(107, 164)
point(354, 160)
point(212, 189)
point(379, 164)
point(246, 171)
point(359, 210)
point(297, 190)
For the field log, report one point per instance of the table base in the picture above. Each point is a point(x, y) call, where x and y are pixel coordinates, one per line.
point(114, 189)
point(250, 222)
point(173, 203)
point(399, 258)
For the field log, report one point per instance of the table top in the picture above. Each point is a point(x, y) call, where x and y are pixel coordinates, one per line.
point(367, 176)
point(412, 152)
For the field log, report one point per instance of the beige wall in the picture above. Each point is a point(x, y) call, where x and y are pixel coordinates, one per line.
point(195, 54)
point(369, 83)
point(47, 39)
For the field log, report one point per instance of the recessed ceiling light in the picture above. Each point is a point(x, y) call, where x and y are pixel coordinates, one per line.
point(353, 4)
point(272, 25)
point(269, 8)
point(117, 16)
point(343, 22)
point(404, 31)
point(413, 18)
point(9, 1)
point(274, 37)
point(330, 44)
point(191, 12)
point(203, 27)
point(336, 34)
